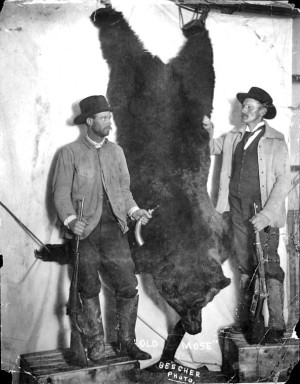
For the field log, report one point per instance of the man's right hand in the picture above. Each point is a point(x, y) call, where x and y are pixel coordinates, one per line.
point(78, 226)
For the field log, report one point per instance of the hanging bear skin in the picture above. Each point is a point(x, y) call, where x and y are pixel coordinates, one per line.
point(158, 110)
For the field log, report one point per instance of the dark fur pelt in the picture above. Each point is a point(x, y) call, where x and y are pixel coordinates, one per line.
point(158, 110)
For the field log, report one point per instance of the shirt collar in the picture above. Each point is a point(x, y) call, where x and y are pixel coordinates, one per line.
point(256, 128)
point(256, 131)
point(95, 143)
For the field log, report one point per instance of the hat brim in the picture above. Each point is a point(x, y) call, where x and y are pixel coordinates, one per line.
point(271, 110)
point(81, 119)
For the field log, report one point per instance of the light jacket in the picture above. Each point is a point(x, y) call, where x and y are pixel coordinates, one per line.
point(79, 173)
point(274, 171)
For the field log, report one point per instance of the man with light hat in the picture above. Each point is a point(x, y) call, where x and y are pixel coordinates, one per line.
point(255, 170)
point(95, 169)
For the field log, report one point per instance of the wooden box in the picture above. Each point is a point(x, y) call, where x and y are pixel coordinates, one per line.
point(243, 362)
point(269, 362)
point(55, 367)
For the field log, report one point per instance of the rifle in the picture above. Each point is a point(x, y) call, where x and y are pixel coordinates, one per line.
point(260, 292)
point(74, 304)
point(26, 229)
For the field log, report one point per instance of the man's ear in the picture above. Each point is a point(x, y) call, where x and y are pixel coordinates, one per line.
point(89, 121)
point(263, 111)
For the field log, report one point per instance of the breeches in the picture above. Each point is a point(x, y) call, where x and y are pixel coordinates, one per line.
point(107, 249)
point(242, 210)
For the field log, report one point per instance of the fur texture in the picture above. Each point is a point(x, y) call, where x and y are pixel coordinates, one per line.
point(158, 110)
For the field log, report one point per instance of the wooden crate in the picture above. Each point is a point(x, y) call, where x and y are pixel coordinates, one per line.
point(269, 362)
point(55, 367)
point(252, 363)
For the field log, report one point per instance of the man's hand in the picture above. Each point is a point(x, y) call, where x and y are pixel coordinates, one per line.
point(208, 125)
point(78, 226)
point(260, 221)
point(143, 215)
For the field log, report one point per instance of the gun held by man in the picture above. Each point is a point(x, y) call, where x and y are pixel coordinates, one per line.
point(260, 291)
point(74, 306)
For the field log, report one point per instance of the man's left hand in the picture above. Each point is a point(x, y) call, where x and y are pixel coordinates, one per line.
point(260, 221)
point(143, 215)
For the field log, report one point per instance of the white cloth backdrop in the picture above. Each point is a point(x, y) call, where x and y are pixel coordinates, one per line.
point(50, 59)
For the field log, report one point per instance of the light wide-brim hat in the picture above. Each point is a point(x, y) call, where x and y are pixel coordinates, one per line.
point(90, 106)
point(261, 96)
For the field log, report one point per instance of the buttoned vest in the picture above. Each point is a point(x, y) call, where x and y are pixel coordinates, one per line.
point(244, 180)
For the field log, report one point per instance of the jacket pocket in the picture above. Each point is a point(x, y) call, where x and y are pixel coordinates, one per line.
point(86, 173)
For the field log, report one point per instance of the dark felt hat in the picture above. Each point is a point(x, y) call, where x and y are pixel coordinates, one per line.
point(90, 106)
point(261, 96)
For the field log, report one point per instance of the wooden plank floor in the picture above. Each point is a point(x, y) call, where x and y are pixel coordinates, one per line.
point(245, 363)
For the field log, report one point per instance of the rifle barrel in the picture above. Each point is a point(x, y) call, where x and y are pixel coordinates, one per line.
point(26, 229)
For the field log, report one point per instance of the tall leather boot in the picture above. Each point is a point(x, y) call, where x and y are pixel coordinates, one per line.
point(275, 306)
point(243, 322)
point(91, 323)
point(172, 343)
point(127, 314)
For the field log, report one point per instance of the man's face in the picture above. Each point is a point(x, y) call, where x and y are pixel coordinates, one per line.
point(101, 125)
point(252, 111)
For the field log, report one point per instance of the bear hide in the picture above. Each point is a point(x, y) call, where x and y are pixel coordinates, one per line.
point(158, 110)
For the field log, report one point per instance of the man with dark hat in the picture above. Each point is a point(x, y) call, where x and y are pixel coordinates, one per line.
point(255, 170)
point(95, 169)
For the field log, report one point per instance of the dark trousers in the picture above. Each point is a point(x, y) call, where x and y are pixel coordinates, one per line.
point(242, 210)
point(107, 249)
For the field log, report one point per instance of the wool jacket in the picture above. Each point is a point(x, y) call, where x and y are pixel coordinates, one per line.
point(82, 171)
point(274, 171)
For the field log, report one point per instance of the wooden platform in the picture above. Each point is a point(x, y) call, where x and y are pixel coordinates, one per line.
point(243, 363)
point(55, 367)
